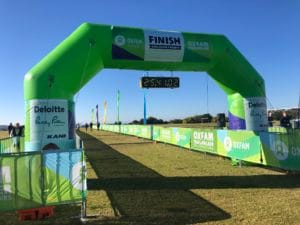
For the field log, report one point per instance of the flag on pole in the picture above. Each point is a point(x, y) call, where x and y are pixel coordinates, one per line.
point(104, 112)
point(145, 109)
point(97, 118)
point(118, 106)
point(93, 117)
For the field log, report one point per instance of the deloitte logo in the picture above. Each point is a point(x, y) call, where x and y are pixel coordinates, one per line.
point(120, 40)
point(227, 144)
point(280, 150)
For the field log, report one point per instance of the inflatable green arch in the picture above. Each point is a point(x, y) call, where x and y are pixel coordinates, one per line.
point(51, 85)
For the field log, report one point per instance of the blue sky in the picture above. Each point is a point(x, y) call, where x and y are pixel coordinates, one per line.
point(266, 32)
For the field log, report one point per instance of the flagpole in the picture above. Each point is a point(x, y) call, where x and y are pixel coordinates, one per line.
point(97, 118)
point(92, 116)
point(145, 109)
point(118, 107)
point(104, 113)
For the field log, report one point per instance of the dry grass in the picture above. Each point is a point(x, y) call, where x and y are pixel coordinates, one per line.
point(3, 134)
point(135, 181)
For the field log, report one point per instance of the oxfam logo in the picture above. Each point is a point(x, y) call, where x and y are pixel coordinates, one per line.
point(120, 40)
point(227, 144)
point(280, 150)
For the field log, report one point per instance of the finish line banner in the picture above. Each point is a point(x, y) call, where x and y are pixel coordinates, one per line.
point(160, 46)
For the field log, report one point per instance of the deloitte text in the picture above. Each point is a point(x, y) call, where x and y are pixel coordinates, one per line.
point(51, 109)
point(256, 104)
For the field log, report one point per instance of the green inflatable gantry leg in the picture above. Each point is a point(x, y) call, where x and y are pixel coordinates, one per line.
point(50, 85)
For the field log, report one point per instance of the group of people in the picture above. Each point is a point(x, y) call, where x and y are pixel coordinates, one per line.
point(91, 126)
point(284, 120)
point(15, 132)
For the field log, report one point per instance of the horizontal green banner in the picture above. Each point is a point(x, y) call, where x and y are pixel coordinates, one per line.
point(277, 148)
point(204, 140)
point(281, 150)
point(242, 145)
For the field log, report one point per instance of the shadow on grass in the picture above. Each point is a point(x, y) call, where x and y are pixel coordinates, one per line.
point(134, 199)
point(204, 182)
point(132, 143)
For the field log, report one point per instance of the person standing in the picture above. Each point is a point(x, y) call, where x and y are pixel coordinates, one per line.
point(285, 120)
point(9, 128)
point(91, 126)
point(98, 126)
point(86, 127)
point(16, 134)
point(270, 119)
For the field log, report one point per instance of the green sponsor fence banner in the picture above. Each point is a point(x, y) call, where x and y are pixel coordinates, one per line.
point(20, 181)
point(281, 150)
point(181, 137)
point(156, 133)
point(64, 177)
point(204, 140)
point(7, 145)
point(124, 129)
point(131, 130)
point(277, 129)
point(137, 130)
point(242, 145)
point(143, 131)
point(116, 128)
point(146, 131)
point(165, 135)
point(173, 135)
point(277, 148)
point(35, 179)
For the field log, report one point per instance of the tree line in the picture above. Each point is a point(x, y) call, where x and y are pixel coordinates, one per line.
point(293, 113)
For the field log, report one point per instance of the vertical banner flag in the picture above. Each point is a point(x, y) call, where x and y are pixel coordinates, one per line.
point(97, 118)
point(145, 109)
point(118, 106)
point(93, 117)
point(104, 112)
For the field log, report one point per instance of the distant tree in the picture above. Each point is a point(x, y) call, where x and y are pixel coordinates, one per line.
point(135, 122)
point(153, 120)
point(205, 118)
point(176, 121)
point(150, 120)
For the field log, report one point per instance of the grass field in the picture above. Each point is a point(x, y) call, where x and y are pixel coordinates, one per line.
point(3, 134)
point(135, 181)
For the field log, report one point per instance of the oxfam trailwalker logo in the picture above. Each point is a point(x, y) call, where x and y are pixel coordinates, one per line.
point(227, 144)
point(280, 150)
point(120, 40)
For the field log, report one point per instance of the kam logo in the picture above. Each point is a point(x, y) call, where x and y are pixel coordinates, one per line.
point(280, 150)
point(120, 40)
point(227, 144)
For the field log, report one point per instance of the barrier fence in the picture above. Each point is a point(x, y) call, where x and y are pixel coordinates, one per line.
point(279, 147)
point(41, 178)
point(7, 145)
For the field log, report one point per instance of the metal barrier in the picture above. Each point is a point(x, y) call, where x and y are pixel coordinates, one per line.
point(8, 145)
point(42, 178)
